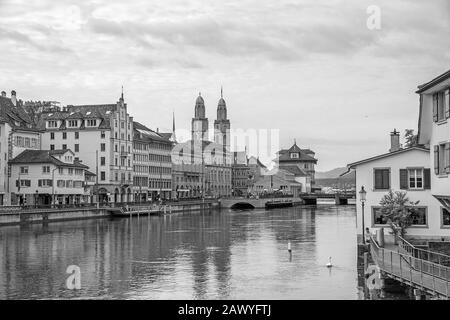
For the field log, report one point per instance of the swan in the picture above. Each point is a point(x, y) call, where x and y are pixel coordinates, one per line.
point(329, 265)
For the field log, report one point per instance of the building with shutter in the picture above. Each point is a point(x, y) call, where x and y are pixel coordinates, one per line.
point(101, 136)
point(43, 177)
point(400, 169)
point(434, 133)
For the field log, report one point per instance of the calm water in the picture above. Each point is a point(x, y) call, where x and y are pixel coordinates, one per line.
point(217, 255)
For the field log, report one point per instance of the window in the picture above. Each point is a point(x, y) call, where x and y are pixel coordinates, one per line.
point(102, 176)
point(71, 171)
point(102, 161)
point(61, 170)
point(61, 183)
point(69, 184)
point(52, 147)
point(77, 135)
point(52, 136)
point(72, 123)
point(294, 155)
point(45, 183)
point(64, 135)
point(78, 184)
point(445, 217)
point(419, 218)
point(382, 179)
point(23, 170)
point(25, 183)
point(442, 159)
point(91, 123)
point(102, 147)
point(415, 178)
point(46, 169)
point(77, 147)
point(64, 146)
point(52, 124)
point(441, 106)
point(102, 134)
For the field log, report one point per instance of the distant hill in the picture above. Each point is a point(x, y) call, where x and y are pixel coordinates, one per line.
point(332, 178)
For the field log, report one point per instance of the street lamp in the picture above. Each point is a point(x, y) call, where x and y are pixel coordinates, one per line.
point(362, 198)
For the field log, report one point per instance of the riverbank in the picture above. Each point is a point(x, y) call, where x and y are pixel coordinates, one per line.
point(17, 216)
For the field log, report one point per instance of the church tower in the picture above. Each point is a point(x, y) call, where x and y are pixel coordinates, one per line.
point(199, 122)
point(222, 128)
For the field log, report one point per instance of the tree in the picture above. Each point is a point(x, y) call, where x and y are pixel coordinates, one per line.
point(411, 138)
point(399, 211)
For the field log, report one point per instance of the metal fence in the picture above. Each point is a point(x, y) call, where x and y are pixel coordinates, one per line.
point(419, 273)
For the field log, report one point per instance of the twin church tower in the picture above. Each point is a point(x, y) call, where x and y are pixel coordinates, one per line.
point(221, 124)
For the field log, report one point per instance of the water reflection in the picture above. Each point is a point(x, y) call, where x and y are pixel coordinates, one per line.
point(212, 255)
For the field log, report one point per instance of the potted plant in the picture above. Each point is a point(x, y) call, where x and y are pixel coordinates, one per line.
point(399, 211)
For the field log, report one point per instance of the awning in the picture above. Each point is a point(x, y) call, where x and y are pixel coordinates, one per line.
point(444, 200)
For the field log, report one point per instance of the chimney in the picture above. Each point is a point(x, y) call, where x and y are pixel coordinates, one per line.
point(395, 141)
point(13, 98)
point(3, 94)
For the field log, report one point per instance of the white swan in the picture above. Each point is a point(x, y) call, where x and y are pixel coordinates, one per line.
point(329, 265)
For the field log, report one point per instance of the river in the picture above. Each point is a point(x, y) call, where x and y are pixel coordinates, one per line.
point(213, 255)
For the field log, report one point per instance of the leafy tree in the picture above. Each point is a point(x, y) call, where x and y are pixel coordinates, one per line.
point(411, 138)
point(399, 211)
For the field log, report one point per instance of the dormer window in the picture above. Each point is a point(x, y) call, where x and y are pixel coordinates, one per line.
point(91, 123)
point(295, 155)
point(72, 123)
point(52, 124)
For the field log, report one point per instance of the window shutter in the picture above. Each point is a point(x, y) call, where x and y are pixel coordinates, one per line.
point(386, 179)
point(403, 179)
point(426, 178)
point(17, 183)
point(447, 158)
point(40, 183)
point(447, 103)
point(436, 159)
point(435, 107)
point(49, 183)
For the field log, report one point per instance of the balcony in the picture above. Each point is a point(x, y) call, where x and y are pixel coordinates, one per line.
point(124, 154)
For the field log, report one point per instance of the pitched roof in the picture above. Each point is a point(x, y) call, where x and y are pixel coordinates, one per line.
point(148, 133)
point(302, 157)
point(435, 81)
point(11, 114)
point(295, 170)
point(385, 155)
point(44, 156)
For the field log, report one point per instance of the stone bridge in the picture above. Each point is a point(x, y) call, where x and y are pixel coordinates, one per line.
point(244, 203)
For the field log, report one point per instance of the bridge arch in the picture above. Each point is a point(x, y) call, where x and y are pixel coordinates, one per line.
point(242, 205)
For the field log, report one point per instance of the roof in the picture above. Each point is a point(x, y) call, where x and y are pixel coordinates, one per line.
point(44, 156)
point(295, 170)
point(147, 133)
point(305, 155)
point(435, 81)
point(386, 155)
point(12, 114)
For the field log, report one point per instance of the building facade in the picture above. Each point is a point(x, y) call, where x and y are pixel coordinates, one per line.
point(17, 133)
point(45, 177)
point(434, 133)
point(101, 136)
point(406, 170)
point(300, 162)
point(277, 180)
point(240, 174)
point(152, 164)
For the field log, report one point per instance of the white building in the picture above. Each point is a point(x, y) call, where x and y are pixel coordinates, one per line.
point(17, 134)
point(44, 177)
point(152, 164)
point(101, 136)
point(434, 132)
point(398, 170)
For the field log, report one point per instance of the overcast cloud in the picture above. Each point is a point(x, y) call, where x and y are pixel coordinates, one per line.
point(310, 68)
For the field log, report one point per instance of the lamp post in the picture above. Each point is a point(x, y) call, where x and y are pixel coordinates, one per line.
point(362, 198)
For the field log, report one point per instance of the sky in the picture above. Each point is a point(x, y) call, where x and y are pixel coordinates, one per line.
point(311, 69)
